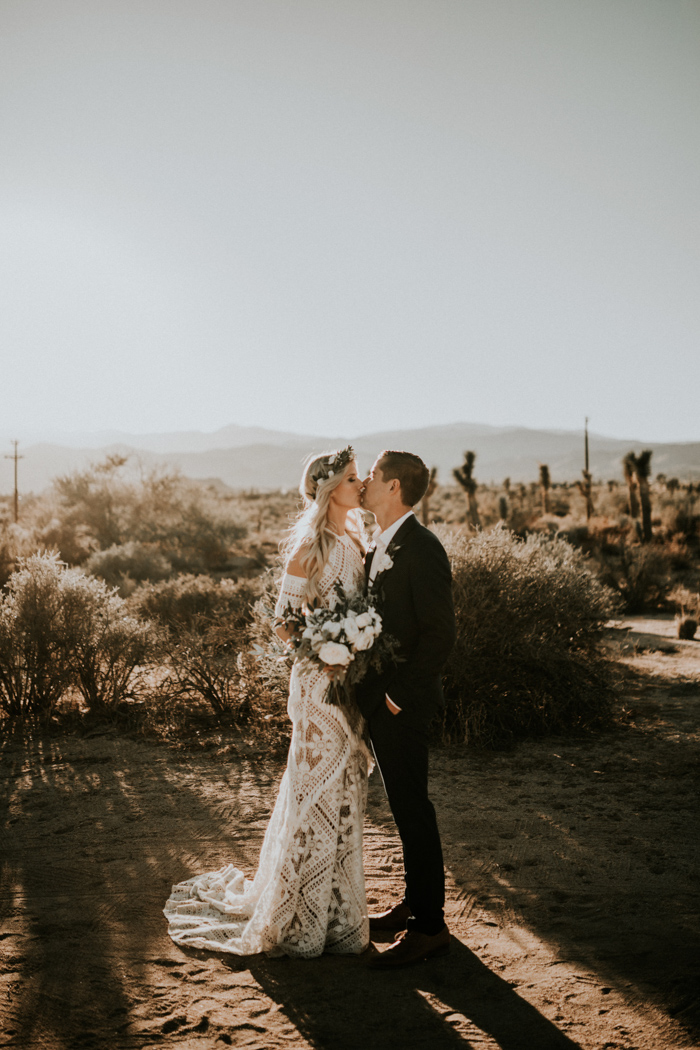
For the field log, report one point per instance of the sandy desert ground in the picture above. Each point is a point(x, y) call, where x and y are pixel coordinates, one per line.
point(572, 891)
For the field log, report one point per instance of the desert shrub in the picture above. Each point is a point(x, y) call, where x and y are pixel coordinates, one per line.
point(687, 601)
point(687, 604)
point(640, 574)
point(264, 676)
point(528, 616)
point(679, 512)
point(248, 688)
point(236, 668)
point(207, 631)
point(188, 602)
point(107, 505)
point(35, 667)
point(265, 685)
point(686, 627)
point(126, 564)
point(61, 629)
point(70, 538)
point(107, 646)
point(264, 648)
point(16, 543)
point(194, 540)
point(204, 663)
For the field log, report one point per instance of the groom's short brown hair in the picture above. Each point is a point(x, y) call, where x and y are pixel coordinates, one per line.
point(409, 470)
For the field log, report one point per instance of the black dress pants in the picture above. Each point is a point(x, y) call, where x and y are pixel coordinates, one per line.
point(401, 751)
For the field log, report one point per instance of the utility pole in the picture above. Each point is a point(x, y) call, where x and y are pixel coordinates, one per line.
point(15, 456)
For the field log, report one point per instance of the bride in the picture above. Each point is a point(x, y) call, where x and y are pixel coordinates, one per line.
point(308, 895)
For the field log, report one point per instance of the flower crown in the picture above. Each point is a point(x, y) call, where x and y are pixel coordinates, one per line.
point(333, 464)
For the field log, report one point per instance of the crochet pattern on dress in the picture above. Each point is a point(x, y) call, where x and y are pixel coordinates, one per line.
point(308, 894)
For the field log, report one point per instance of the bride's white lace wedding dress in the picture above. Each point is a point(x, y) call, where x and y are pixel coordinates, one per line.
point(308, 894)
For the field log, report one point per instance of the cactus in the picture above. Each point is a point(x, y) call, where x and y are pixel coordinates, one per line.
point(425, 503)
point(640, 466)
point(545, 485)
point(503, 508)
point(464, 476)
point(631, 479)
point(585, 487)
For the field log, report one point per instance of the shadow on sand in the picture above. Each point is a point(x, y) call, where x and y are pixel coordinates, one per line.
point(94, 835)
point(452, 1001)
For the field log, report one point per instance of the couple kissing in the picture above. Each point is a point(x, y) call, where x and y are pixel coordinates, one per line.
point(308, 893)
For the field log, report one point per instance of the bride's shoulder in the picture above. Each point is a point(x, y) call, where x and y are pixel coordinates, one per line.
point(296, 566)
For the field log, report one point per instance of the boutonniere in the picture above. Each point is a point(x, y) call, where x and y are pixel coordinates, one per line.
point(385, 560)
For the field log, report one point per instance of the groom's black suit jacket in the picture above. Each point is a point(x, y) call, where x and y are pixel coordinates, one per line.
point(415, 603)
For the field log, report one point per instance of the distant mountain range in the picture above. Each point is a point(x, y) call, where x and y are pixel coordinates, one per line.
point(252, 457)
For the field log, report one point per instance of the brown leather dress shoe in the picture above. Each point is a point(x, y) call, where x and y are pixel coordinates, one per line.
point(393, 920)
point(412, 947)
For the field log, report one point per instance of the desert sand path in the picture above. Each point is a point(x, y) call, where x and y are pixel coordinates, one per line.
point(573, 897)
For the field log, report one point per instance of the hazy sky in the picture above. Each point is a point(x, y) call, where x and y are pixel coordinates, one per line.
point(349, 215)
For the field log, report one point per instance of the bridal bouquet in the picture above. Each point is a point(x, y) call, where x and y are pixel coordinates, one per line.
point(348, 638)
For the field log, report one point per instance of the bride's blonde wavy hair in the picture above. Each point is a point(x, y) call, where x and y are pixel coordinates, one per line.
point(312, 538)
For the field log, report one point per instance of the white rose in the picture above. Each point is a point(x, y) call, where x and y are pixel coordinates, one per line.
point(335, 653)
point(332, 628)
point(308, 632)
point(352, 631)
point(365, 641)
point(364, 619)
point(384, 563)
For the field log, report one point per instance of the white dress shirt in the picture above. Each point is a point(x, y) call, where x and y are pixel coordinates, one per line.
point(384, 539)
point(381, 543)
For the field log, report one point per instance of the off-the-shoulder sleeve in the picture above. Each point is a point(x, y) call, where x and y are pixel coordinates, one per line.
point(291, 593)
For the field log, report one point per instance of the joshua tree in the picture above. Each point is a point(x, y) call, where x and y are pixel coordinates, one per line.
point(545, 484)
point(503, 508)
point(585, 487)
point(425, 504)
point(463, 475)
point(631, 479)
point(506, 485)
point(642, 469)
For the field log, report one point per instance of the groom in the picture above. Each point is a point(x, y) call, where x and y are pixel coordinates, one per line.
point(409, 571)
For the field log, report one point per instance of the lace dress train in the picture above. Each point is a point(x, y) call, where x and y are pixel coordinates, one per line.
point(308, 894)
